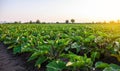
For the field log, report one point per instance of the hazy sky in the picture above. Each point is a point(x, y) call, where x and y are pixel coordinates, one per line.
point(59, 10)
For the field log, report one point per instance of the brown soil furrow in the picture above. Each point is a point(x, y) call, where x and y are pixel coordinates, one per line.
point(8, 62)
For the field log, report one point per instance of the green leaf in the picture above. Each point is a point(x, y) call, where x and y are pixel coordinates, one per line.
point(78, 61)
point(114, 66)
point(8, 42)
point(56, 66)
point(11, 46)
point(40, 60)
point(101, 65)
point(111, 69)
point(89, 38)
point(27, 49)
point(36, 54)
point(79, 64)
point(75, 46)
point(50, 42)
point(88, 61)
point(95, 55)
point(16, 49)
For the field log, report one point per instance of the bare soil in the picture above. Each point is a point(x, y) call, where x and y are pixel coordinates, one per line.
point(11, 62)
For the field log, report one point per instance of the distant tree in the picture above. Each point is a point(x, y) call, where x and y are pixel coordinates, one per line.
point(57, 22)
point(38, 21)
point(30, 22)
point(15, 22)
point(67, 21)
point(43, 22)
point(72, 20)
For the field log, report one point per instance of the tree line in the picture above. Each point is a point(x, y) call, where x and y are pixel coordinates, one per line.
point(39, 22)
point(71, 21)
point(66, 21)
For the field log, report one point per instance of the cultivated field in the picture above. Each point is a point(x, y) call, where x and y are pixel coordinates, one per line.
point(65, 47)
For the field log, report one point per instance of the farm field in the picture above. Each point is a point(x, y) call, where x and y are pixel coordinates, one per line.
point(65, 47)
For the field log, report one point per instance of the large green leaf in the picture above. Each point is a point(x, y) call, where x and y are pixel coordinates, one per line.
point(101, 65)
point(56, 66)
point(40, 60)
point(114, 66)
point(36, 54)
point(111, 69)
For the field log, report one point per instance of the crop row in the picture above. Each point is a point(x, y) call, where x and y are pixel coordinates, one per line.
point(65, 47)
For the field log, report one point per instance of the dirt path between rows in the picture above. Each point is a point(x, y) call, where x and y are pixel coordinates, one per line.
point(8, 62)
point(11, 62)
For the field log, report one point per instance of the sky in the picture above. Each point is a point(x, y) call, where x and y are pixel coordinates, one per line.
point(59, 10)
